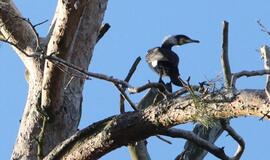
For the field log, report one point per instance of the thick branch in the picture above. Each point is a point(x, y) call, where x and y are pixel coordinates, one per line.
point(95, 141)
point(73, 38)
point(61, 42)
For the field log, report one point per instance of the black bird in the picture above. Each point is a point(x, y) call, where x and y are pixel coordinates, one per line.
point(164, 61)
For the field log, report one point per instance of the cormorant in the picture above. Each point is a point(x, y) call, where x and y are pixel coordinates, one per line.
point(164, 61)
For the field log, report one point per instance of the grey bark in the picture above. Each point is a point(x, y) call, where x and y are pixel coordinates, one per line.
point(73, 24)
point(102, 137)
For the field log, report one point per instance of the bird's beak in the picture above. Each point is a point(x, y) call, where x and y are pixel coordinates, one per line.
point(194, 41)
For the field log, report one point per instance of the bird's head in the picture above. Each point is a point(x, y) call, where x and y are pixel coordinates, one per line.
point(177, 40)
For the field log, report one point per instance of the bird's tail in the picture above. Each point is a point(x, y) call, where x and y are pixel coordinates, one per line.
point(176, 80)
point(175, 77)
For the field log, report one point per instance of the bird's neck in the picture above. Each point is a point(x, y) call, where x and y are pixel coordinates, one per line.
point(167, 45)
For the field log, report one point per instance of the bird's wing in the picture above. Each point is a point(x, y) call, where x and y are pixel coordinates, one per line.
point(155, 54)
point(160, 54)
point(170, 56)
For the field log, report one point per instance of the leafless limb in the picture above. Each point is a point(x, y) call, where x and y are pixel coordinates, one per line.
point(40, 23)
point(192, 150)
point(34, 55)
point(266, 115)
point(130, 73)
point(216, 130)
point(133, 68)
point(125, 96)
point(27, 20)
point(122, 91)
point(85, 72)
point(185, 90)
point(181, 92)
point(241, 143)
point(137, 150)
point(237, 75)
point(162, 115)
point(224, 56)
point(70, 73)
point(210, 147)
point(71, 66)
point(70, 80)
point(179, 133)
point(263, 28)
point(163, 139)
point(159, 86)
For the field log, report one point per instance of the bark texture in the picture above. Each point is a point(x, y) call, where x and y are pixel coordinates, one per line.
point(56, 90)
point(72, 37)
point(111, 133)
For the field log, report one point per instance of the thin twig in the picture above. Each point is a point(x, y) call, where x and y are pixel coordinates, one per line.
point(241, 143)
point(126, 97)
point(34, 55)
point(51, 57)
point(133, 68)
point(38, 48)
point(159, 86)
point(85, 72)
point(224, 56)
point(70, 80)
point(130, 73)
point(163, 139)
point(40, 23)
point(65, 70)
point(27, 20)
point(263, 28)
point(266, 115)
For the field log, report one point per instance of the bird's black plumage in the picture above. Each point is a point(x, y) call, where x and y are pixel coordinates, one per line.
point(164, 61)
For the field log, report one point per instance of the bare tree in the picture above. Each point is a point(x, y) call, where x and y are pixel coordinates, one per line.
point(56, 68)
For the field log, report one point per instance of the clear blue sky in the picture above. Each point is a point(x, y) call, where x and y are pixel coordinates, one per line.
point(136, 27)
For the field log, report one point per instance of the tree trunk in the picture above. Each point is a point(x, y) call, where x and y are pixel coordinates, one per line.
point(72, 37)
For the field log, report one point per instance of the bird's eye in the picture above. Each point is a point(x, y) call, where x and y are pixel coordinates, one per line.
point(182, 40)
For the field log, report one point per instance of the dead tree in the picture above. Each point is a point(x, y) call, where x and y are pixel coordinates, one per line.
point(56, 67)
